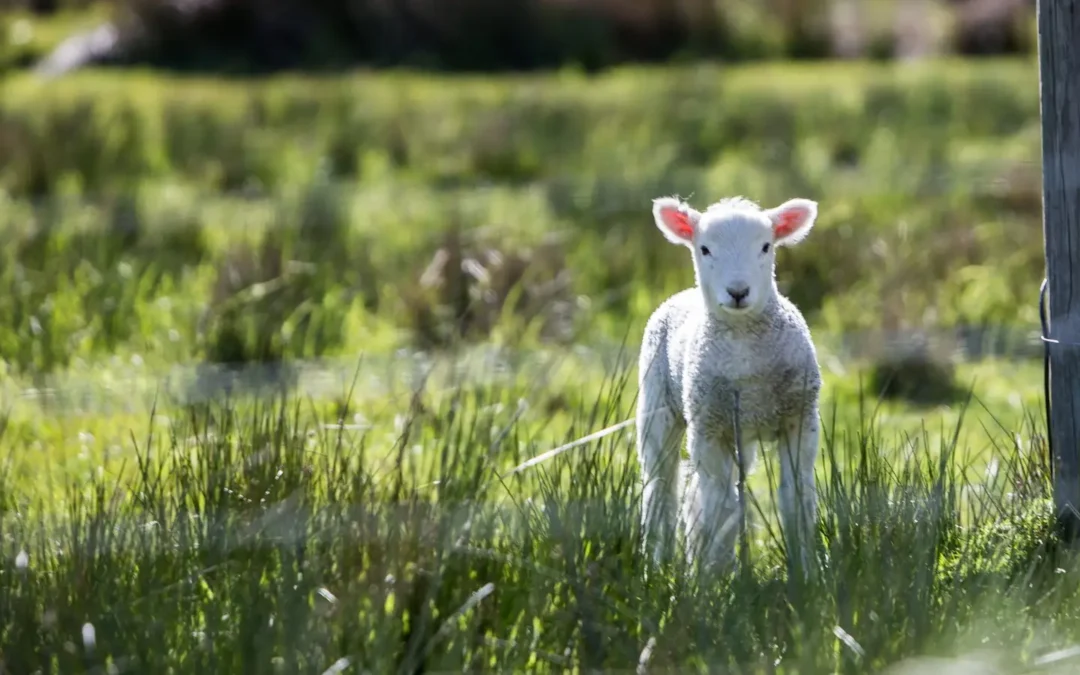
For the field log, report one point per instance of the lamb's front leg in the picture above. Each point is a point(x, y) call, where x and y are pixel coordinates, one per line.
point(659, 433)
point(711, 511)
point(798, 494)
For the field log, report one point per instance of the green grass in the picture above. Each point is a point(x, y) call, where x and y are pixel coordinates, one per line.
point(368, 226)
point(249, 537)
point(74, 427)
point(188, 219)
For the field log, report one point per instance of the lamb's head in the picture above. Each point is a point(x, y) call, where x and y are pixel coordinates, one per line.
point(733, 246)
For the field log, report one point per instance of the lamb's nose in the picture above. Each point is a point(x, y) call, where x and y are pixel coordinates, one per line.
point(738, 293)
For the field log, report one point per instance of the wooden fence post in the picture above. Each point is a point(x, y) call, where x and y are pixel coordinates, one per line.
point(1059, 96)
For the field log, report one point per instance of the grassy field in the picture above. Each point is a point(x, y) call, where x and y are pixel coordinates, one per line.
point(429, 280)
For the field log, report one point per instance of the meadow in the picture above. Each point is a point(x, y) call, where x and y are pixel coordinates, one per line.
point(271, 348)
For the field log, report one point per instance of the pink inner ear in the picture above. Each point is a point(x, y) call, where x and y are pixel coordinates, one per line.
point(788, 222)
point(678, 222)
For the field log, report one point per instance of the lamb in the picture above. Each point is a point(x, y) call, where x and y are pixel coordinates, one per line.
point(732, 339)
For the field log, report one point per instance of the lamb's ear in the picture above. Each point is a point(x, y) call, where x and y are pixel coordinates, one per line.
point(792, 220)
point(676, 219)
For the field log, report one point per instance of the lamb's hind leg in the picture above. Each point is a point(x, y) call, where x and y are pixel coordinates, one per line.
point(659, 432)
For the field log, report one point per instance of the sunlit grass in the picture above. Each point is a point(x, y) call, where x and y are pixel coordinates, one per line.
point(240, 536)
point(294, 225)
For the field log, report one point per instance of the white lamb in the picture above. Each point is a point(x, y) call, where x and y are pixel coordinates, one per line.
point(732, 337)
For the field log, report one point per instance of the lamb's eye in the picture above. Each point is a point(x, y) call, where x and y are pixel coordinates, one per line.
point(704, 250)
point(765, 248)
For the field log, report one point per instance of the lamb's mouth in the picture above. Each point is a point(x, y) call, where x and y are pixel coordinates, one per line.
point(734, 307)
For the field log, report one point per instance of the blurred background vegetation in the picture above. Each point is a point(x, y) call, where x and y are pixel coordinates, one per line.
point(193, 217)
point(256, 186)
point(262, 35)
